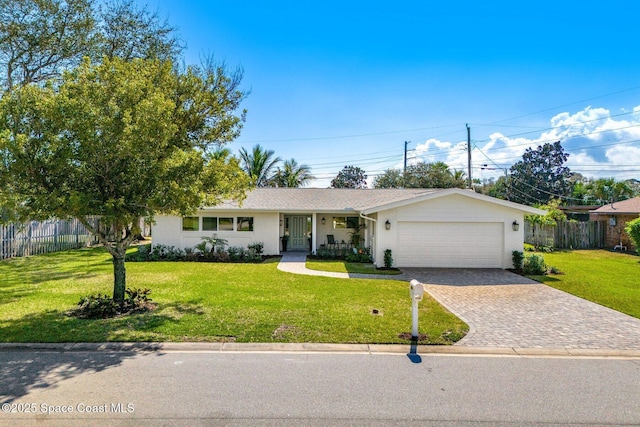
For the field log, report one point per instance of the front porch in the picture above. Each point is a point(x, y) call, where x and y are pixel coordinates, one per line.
point(325, 234)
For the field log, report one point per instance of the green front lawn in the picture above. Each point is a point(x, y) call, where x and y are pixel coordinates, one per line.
point(339, 266)
point(209, 302)
point(608, 278)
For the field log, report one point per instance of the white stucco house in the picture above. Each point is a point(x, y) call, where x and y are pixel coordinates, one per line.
point(422, 227)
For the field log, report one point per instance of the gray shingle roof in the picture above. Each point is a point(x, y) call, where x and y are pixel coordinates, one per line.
point(323, 199)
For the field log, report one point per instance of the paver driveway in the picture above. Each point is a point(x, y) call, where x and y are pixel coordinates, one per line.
point(504, 309)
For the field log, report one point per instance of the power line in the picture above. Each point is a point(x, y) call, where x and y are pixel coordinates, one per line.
point(566, 105)
point(319, 138)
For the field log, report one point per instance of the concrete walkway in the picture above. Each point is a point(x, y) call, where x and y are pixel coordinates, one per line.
point(505, 310)
point(295, 262)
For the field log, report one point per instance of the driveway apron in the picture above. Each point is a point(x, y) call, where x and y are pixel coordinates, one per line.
point(504, 309)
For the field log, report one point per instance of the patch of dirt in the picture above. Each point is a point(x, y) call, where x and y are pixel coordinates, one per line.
point(407, 336)
point(284, 331)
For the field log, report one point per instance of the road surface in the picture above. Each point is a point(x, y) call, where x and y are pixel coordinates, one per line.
point(208, 388)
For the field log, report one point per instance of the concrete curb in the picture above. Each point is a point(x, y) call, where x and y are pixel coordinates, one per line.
point(233, 347)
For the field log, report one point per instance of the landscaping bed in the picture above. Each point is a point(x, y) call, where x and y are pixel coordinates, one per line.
point(340, 266)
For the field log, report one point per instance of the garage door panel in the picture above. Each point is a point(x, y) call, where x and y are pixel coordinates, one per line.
point(448, 244)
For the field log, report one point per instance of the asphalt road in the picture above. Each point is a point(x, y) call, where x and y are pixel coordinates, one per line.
point(203, 388)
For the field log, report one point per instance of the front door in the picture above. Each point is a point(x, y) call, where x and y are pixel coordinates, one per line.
point(298, 233)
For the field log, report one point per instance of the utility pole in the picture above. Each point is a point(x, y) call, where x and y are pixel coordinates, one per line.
point(404, 172)
point(469, 153)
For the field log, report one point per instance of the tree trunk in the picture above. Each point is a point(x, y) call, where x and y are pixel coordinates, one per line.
point(119, 278)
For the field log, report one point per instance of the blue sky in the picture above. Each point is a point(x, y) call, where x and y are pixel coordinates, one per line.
point(346, 83)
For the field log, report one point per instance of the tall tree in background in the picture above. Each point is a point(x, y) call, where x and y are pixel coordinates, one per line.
point(350, 177)
point(422, 175)
point(259, 164)
point(540, 176)
point(292, 174)
point(120, 140)
point(601, 191)
point(433, 175)
point(390, 178)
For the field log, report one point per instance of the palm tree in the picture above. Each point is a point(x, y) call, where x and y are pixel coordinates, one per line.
point(259, 165)
point(292, 175)
point(220, 153)
point(459, 179)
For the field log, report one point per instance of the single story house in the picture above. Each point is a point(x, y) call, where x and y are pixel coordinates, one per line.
point(422, 227)
point(616, 215)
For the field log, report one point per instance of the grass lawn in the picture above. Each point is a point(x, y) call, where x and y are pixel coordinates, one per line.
point(209, 302)
point(608, 278)
point(339, 266)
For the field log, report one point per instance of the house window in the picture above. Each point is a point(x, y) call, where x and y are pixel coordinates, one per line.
point(209, 223)
point(225, 224)
point(245, 223)
point(190, 223)
point(339, 222)
point(353, 222)
point(346, 222)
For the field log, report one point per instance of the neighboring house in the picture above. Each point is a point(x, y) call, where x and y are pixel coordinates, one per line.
point(578, 212)
point(422, 227)
point(616, 215)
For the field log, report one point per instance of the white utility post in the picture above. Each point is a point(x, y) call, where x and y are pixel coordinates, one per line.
point(416, 290)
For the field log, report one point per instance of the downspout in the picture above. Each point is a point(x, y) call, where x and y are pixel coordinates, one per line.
point(366, 217)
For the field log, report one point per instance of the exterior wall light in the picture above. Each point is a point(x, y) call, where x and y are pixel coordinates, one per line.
point(515, 226)
point(387, 225)
point(324, 221)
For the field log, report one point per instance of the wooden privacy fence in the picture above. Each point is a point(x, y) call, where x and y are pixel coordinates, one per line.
point(566, 235)
point(40, 237)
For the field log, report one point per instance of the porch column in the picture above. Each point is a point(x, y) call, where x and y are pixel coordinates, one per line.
point(314, 231)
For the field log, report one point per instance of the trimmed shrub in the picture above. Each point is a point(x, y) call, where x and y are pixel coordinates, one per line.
point(534, 265)
point(258, 247)
point(359, 255)
point(388, 259)
point(517, 257)
point(102, 306)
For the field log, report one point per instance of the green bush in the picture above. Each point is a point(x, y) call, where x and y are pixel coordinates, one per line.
point(517, 257)
point(234, 253)
point(633, 230)
point(102, 306)
point(258, 247)
point(534, 265)
point(165, 253)
point(359, 255)
point(388, 259)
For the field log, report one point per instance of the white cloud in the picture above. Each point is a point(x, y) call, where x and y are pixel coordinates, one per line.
point(598, 144)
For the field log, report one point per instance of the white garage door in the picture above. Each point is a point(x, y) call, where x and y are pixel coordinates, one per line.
point(447, 244)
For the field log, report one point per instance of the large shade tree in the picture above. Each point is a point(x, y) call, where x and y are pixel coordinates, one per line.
point(41, 38)
point(121, 140)
point(540, 176)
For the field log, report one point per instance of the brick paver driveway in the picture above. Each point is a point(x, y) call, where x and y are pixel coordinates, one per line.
point(504, 309)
